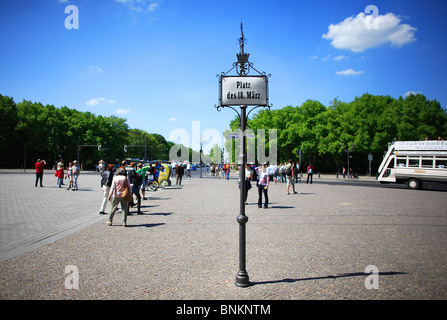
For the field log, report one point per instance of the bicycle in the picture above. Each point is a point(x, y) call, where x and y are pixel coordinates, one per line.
point(151, 184)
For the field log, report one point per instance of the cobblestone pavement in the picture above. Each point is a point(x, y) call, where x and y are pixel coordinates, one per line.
point(312, 245)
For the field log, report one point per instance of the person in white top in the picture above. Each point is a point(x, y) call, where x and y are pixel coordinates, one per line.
point(263, 184)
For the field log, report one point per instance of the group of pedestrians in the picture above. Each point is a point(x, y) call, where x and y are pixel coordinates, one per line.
point(119, 188)
point(291, 171)
point(222, 169)
point(121, 185)
point(72, 173)
point(263, 175)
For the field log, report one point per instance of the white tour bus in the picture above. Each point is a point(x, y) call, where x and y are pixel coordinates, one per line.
point(412, 162)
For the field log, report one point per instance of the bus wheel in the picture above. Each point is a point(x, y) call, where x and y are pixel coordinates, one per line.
point(414, 184)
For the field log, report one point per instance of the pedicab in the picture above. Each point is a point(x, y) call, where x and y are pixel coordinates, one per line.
point(163, 175)
point(157, 175)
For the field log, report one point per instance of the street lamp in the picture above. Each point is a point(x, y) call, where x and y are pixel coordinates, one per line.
point(347, 150)
point(201, 151)
point(242, 91)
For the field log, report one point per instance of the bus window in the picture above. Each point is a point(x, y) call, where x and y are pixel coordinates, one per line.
point(413, 162)
point(401, 162)
point(441, 163)
point(427, 163)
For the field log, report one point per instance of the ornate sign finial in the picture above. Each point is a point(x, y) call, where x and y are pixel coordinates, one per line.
point(241, 40)
point(242, 57)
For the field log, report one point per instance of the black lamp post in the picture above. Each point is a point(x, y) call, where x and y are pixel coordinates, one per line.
point(348, 151)
point(242, 279)
point(242, 68)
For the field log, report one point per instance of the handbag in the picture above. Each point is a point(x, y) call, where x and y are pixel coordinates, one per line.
point(126, 193)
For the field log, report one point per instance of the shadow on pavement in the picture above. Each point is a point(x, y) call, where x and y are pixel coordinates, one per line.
point(344, 275)
point(145, 225)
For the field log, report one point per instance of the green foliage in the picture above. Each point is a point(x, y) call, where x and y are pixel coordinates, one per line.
point(29, 131)
point(369, 122)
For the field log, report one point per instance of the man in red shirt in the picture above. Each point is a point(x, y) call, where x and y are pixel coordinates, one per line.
point(310, 172)
point(39, 170)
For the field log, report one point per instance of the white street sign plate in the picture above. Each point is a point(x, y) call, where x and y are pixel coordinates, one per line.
point(243, 91)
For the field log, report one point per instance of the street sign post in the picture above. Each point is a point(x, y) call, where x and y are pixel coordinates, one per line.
point(370, 159)
point(243, 91)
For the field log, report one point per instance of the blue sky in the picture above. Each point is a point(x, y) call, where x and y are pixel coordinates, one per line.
point(154, 62)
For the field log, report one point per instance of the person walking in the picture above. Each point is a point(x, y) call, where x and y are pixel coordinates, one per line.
point(106, 183)
point(60, 173)
point(75, 171)
point(310, 172)
point(282, 172)
point(101, 167)
point(142, 171)
point(40, 164)
point(119, 183)
point(248, 177)
point(290, 176)
point(69, 175)
point(135, 180)
point(179, 170)
point(222, 171)
point(60, 176)
point(273, 172)
point(263, 184)
point(227, 171)
point(297, 172)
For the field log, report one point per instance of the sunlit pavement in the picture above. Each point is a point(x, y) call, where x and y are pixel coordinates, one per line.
point(322, 243)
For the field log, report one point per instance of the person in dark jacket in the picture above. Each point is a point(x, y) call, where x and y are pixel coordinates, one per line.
point(180, 171)
point(135, 180)
point(106, 183)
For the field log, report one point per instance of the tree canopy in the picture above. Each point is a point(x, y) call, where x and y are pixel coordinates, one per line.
point(369, 123)
point(30, 130)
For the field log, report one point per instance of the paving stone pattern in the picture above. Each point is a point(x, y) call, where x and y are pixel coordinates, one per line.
point(312, 245)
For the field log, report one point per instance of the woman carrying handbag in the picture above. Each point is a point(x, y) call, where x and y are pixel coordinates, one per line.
point(122, 193)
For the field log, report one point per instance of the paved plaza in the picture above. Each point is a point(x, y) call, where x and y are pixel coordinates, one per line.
point(312, 245)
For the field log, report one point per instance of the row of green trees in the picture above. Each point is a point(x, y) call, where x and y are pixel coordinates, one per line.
point(30, 130)
point(365, 125)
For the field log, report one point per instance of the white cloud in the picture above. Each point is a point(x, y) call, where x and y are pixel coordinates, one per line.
point(138, 6)
point(328, 57)
point(152, 7)
point(96, 101)
point(339, 58)
point(122, 111)
point(173, 119)
point(95, 69)
point(349, 72)
point(357, 35)
point(409, 93)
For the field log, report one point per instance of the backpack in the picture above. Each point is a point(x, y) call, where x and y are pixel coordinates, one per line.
point(107, 178)
point(289, 171)
point(138, 180)
point(135, 178)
